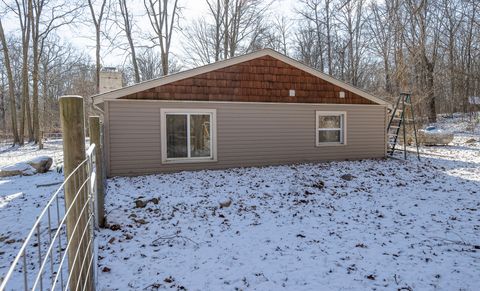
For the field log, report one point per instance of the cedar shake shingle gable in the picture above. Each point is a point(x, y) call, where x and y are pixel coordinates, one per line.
point(262, 76)
point(264, 79)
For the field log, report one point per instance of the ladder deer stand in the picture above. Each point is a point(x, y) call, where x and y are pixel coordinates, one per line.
point(397, 122)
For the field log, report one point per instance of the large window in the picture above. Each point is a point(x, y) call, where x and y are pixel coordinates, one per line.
point(330, 127)
point(188, 135)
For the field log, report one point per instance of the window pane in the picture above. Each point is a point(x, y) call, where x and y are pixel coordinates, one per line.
point(199, 135)
point(176, 136)
point(329, 122)
point(329, 136)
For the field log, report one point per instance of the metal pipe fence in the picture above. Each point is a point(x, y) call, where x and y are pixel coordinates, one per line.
point(44, 261)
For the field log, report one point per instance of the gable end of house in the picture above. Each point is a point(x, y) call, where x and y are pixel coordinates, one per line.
point(262, 76)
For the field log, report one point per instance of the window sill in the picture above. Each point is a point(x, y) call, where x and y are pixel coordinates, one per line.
point(188, 161)
point(329, 144)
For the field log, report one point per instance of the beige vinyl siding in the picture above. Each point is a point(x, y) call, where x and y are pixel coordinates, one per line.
point(248, 134)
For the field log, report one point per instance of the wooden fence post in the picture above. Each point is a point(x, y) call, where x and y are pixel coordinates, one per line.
point(94, 122)
point(73, 128)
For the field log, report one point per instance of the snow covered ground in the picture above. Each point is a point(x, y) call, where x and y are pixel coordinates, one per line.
point(392, 224)
point(21, 200)
point(388, 224)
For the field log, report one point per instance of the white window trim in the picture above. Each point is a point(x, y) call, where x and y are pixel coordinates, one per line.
point(188, 111)
point(343, 128)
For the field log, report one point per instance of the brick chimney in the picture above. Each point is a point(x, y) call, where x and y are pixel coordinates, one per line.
point(110, 79)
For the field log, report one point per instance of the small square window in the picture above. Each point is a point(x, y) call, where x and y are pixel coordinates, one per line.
point(330, 128)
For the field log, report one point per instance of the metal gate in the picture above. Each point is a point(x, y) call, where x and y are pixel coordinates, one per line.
point(53, 257)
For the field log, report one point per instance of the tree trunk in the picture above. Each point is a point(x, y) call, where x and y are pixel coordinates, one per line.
point(45, 98)
point(225, 28)
point(218, 25)
point(97, 58)
point(388, 82)
point(432, 112)
point(134, 61)
point(319, 39)
point(2, 105)
point(329, 40)
point(127, 26)
point(97, 22)
point(36, 59)
point(24, 100)
point(25, 110)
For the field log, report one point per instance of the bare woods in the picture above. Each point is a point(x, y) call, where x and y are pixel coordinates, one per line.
point(427, 47)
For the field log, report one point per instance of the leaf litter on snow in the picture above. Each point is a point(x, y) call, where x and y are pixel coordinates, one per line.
point(370, 224)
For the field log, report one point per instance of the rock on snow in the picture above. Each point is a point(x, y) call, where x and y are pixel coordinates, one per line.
point(42, 163)
point(23, 169)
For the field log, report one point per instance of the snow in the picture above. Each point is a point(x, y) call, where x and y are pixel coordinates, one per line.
point(396, 224)
point(433, 130)
point(25, 168)
point(11, 155)
point(459, 124)
point(20, 198)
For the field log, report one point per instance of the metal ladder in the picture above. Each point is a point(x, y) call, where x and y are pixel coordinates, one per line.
point(397, 122)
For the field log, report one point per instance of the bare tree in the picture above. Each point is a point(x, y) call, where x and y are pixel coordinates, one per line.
point(11, 84)
point(3, 112)
point(381, 28)
point(23, 10)
point(243, 24)
point(469, 64)
point(422, 37)
point(281, 28)
point(164, 20)
point(307, 49)
point(316, 15)
point(201, 43)
point(46, 17)
point(58, 66)
point(216, 12)
point(351, 20)
point(97, 18)
point(149, 66)
point(231, 27)
point(126, 26)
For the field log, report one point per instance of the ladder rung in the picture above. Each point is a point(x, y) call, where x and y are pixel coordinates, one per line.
point(394, 126)
point(405, 119)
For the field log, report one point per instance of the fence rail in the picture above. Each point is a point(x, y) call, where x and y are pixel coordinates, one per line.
point(41, 261)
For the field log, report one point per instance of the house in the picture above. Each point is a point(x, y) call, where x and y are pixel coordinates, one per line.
point(258, 109)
